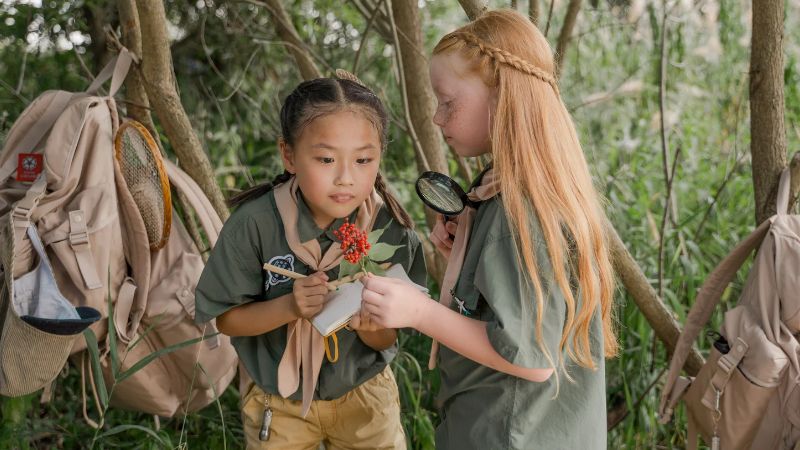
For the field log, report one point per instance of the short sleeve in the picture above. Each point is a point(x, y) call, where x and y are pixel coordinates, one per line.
point(417, 270)
point(512, 331)
point(233, 274)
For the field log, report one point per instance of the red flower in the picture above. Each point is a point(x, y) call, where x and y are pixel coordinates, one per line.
point(354, 242)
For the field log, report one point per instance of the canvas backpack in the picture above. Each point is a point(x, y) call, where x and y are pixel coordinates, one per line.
point(98, 247)
point(746, 395)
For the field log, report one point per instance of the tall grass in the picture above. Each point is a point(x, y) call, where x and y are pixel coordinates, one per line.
point(611, 84)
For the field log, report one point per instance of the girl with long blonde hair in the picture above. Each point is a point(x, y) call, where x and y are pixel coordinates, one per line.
point(525, 312)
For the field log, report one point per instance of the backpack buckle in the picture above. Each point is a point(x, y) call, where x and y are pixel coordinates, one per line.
point(21, 216)
point(78, 235)
point(78, 238)
point(22, 212)
point(79, 241)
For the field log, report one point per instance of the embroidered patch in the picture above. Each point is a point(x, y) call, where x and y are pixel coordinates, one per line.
point(284, 262)
point(29, 166)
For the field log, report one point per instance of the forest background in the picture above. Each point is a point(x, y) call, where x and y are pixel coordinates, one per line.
point(687, 112)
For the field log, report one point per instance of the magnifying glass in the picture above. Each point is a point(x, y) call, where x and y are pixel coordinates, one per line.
point(442, 194)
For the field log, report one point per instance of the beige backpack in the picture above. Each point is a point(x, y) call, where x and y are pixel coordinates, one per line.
point(97, 244)
point(746, 395)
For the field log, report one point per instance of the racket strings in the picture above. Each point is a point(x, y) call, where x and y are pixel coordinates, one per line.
point(144, 174)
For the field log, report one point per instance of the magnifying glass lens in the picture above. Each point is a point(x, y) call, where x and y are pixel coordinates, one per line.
point(440, 193)
point(441, 196)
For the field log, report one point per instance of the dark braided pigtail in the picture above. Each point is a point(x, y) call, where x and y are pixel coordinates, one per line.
point(395, 208)
point(258, 190)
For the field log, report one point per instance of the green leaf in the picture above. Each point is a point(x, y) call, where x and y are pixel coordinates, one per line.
point(382, 251)
point(94, 354)
point(347, 269)
point(219, 405)
point(374, 235)
point(112, 334)
point(373, 267)
point(164, 351)
point(163, 440)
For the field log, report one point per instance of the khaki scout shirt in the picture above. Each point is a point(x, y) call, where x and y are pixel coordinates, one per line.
point(234, 276)
point(486, 409)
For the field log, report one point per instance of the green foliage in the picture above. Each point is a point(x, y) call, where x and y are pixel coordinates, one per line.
point(233, 73)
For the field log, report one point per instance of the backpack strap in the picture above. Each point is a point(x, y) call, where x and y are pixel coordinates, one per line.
point(209, 219)
point(116, 69)
point(782, 202)
point(704, 304)
point(35, 133)
point(24, 207)
point(710, 293)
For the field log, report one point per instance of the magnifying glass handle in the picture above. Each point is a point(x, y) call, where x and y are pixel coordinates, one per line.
point(449, 218)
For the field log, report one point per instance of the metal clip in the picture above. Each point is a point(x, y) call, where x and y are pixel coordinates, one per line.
point(461, 308)
point(266, 420)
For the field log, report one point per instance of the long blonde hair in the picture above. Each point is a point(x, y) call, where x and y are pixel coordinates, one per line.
point(536, 152)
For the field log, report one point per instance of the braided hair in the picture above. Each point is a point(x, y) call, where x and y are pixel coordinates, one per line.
point(504, 57)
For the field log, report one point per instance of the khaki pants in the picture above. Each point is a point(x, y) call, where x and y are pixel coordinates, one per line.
point(368, 417)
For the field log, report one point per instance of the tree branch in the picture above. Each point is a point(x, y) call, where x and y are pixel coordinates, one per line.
point(159, 82)
point(474, 8)
point(565, 35)
point(534, 11)
point(138, 105)
point(549, 17)
point(668, 174)
point(288, 34)
point(363, 43)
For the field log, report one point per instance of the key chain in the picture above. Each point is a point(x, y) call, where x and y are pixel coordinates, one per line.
point(266, 420)
point(717, 414)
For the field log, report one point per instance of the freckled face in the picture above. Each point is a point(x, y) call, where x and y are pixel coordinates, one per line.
point(464, 102)
point(336, 160)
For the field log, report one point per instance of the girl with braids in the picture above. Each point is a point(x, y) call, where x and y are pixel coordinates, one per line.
point(333, 133)
point(524, 318)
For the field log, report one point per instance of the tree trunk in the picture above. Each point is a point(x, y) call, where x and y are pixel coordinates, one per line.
point(566, 33)
point(474, 8)
point(421, 102)
point(534, 10)
point(97, 16)
point(137, 104)
point(767, 128)
point(289, 35)
point(159, 81)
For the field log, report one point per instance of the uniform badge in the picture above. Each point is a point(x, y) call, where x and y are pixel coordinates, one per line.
point(284, 262)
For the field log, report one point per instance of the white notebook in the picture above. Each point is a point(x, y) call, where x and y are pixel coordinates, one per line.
point(342, 303)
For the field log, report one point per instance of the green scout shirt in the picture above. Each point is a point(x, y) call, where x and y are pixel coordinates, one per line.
point(234, 276)
point(486, 409)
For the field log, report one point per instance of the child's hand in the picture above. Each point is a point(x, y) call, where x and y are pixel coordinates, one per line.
point(393, 303)
point(442, 235)
point(308, 295)
point(362, 321)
